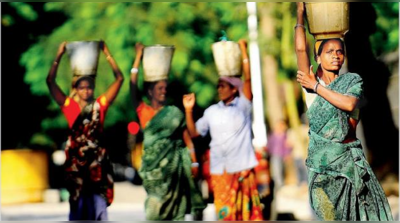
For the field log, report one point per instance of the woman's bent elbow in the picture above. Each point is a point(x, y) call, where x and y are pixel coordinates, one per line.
point(351, 107)
point(120, 78)
point(193, 134)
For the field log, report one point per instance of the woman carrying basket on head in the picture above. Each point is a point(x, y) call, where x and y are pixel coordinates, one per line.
point(88, 170)
point(166, 163)
point(342, 185)
point(232, 156)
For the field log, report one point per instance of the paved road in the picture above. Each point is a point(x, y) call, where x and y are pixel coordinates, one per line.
point(129, 199)
point(127, 206)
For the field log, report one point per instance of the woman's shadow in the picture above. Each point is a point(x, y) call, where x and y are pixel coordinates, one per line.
point(381, 134)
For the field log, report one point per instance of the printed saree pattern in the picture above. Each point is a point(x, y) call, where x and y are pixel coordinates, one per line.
point(88, 169)
point(341, 183)
point(166, 169)
point(236, 200)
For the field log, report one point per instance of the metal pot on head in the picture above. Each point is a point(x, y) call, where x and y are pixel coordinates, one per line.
point(228, 58)
point(84, 57)
point(157, 62)
point(327, 20)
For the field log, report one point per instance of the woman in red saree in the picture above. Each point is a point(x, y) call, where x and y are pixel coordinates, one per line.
point(88, 170)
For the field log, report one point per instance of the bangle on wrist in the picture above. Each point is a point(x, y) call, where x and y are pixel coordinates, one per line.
point(315, 87)
point(108, 56)
point(55, 62)
point(299, 25)
point(245, 60)
point(134, 70)
point(195, 164)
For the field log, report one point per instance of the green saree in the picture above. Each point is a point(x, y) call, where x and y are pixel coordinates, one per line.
point(166, 169)
point(342, 185)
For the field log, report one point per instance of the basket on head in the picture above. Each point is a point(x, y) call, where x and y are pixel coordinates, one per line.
point(84, 57)
point(327, 20)
point(157, 62)
point(228, 58)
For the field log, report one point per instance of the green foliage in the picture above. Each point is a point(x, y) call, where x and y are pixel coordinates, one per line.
point(41, 139)
point(281, 45)
point(386, 37)
point(191, 27)
point(7, 20)
point(25, 10)
point(384, 40)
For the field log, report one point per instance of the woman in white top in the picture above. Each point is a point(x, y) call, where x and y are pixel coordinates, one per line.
point(232, 156)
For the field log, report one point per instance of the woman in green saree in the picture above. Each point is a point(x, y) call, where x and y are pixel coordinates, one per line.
point(166, 163)
point(342, 185)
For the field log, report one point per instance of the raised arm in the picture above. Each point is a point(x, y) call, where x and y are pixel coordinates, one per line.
point(246, 70)
point(303, 61)
point(305, 74)
point(55, 90)
point(135, 96)
point(188, 103)
point(112, 91)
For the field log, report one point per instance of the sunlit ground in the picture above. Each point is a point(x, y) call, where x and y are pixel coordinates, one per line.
point(129, 206)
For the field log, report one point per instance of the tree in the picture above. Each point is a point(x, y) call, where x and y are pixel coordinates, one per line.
point(370, 37)
point(191, 27)
point(22, 112)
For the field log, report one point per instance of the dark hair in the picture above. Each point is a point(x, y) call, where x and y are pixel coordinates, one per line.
point(89, 78)
point(149, 85)
point(321, 47)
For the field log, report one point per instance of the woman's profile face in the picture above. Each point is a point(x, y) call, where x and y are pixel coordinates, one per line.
point(332, 56)
point(85, 90)
point(159, 91)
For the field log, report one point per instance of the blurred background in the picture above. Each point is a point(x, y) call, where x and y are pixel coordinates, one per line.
point(34, 130)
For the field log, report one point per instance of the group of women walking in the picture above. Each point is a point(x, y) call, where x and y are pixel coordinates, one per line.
point(342, 186)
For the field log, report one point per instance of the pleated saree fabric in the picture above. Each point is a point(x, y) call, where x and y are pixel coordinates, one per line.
point(342, 185)
point(166, 169)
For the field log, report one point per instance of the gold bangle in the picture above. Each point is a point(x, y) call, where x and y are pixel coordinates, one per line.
point(55, 62)
point(108, 56)
point(245, 60)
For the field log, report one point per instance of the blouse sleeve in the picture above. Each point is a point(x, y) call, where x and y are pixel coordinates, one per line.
point(356, 87)
point(71, 110)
